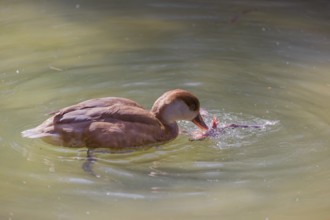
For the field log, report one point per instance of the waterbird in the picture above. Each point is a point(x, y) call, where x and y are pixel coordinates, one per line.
point(114, 122)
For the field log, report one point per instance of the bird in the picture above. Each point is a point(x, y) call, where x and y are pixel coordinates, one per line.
point(116, 123)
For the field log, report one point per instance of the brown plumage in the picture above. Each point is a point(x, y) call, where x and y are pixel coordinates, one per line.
point(113, 122)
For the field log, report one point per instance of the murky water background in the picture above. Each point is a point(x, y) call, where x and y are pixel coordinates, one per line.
point(247, 61)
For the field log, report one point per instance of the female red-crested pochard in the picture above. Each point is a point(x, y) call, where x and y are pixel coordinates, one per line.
point(114, 122)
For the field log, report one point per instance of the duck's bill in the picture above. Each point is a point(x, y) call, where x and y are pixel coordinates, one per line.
point(200, 122)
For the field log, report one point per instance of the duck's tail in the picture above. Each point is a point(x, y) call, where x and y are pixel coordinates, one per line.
point(33, 133)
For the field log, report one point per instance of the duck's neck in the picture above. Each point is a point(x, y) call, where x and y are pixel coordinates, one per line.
point(164, 114)
point(169, 131)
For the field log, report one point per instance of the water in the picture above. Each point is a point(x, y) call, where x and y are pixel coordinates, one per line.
point(247, 61)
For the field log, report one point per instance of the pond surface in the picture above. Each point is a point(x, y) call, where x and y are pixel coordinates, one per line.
point(247, 61)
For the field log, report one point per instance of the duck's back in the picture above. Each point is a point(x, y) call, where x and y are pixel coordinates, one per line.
point(105, 122)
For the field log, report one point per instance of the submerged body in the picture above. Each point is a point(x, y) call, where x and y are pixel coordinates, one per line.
point(114, 122)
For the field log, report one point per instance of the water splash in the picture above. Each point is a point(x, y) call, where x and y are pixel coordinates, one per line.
point(233, 129)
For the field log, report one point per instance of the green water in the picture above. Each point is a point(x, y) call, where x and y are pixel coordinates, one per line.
point(247, 61)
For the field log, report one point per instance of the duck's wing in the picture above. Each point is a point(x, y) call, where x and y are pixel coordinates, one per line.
point(118, 111)
point(92, 109)
point(94, 103)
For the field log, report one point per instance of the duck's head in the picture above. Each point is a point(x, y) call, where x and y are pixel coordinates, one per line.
point(177, 105)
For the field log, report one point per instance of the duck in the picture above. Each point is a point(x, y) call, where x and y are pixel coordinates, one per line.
point(114, 122)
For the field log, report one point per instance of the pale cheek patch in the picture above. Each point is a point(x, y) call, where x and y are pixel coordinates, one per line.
point(178, 110)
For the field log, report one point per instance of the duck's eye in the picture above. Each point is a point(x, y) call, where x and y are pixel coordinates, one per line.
point(191, 102)
point(192, 107)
